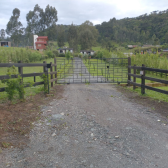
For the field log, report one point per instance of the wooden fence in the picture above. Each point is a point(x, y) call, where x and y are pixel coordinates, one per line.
point(21, 65)
point(143, 77)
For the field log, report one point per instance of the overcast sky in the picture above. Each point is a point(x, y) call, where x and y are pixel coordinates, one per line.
point(78, 11)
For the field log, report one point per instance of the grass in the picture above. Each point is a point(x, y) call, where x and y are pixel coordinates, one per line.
point(31, 90)
point(154, 95)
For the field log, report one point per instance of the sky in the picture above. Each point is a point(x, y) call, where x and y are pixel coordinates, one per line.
point(78, 11)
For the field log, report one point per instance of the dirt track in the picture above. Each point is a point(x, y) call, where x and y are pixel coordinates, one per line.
point(93, 126)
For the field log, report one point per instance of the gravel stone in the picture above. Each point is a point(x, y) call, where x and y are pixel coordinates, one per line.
point(100, 133)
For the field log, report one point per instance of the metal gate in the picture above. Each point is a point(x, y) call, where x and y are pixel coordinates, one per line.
point(78, 70)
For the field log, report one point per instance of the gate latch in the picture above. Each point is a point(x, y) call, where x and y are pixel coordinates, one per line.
point(107, 66)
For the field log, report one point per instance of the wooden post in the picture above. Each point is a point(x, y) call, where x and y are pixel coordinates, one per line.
point(44, 70)
point(129, 70)
point(143, 81)
point(34, 79)
point(55, 68)
point(44, 67)
point(134, 79)
point(51, 70)
point(20, 70)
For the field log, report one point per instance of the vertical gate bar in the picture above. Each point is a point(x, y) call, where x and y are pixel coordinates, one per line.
point(73, 64)
point(81, 70)
point(113, 69)
point(122, 70)
point(105, 71)
point(89, 70)
point(97, 71)
point(134, 79)
point(55, 68)
point(129, 70)
point(64, 71)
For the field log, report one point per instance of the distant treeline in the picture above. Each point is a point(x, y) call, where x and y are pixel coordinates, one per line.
point(150, 29)
point(144, 29)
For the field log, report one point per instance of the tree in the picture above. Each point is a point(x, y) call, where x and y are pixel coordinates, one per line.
point(60, 39)
point(2, 34)
point(73, 37)
point(14, 27)
point(39, 20)
point(34, 20)
point(50, 16)
point(88, 35)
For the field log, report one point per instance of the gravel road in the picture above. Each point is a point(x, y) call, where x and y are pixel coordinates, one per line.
point(93, 126)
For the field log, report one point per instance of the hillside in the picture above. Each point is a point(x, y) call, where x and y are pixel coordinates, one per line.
point(150, 29)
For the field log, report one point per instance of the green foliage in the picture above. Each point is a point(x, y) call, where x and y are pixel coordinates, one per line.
point(9, 54)
point(38, 20)
point(45, 80)
point(87, 35)
point(150, 29)
point(14, 26)
point(14, 84)
point(60, 39)
point(100, 54)
point(49, 53)
point(73, 37)
point(68, 55)
point(61, 55)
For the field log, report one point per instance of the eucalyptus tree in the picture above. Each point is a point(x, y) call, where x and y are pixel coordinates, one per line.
point(39, 20)
point(14, 27)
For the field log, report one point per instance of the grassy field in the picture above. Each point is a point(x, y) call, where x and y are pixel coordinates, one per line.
point(32, 90)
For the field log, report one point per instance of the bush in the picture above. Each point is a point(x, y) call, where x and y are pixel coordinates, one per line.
point(68, 55)
point(49, 53)
point(61, 55)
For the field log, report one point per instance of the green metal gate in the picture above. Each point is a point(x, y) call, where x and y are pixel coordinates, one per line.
point(106, 70)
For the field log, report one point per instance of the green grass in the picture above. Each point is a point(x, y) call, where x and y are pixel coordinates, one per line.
point(30, 90)
point(154, 95)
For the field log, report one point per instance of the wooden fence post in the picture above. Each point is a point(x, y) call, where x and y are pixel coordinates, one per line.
point(20, 70)
point(44, 70)
point(51, 70)
point(143, 81)
point(44, 67)
point(55, 68)
point(129, 70)
point(134, 79)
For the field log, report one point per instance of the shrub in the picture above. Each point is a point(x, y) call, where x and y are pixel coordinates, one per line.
point(61, 55)
point(14, 84)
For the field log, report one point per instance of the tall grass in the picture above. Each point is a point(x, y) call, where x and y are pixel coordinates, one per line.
point(11, 54)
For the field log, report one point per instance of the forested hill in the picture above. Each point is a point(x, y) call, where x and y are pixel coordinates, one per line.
point(150, 29)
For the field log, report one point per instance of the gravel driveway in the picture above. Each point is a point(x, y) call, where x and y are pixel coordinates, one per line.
point(93, 126)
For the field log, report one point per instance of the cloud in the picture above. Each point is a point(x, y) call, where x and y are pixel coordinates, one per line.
point(97, 11)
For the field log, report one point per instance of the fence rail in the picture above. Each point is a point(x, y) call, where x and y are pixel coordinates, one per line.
point(21, 65)
point(143, 78)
